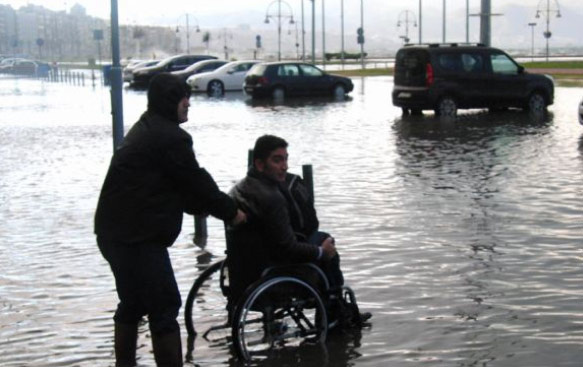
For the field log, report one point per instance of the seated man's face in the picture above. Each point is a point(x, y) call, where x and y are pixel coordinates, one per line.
point(275, 166)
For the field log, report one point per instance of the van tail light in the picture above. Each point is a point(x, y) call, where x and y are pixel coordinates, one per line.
point(262, 80)
point(429, 75)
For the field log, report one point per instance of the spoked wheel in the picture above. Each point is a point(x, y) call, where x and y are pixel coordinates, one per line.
point(278, 314)
point(215, 88)
point(205, 311)
point(446, 107)
point(536, 102)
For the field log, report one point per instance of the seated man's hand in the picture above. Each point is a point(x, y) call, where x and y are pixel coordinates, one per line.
point(240, 218)
point(328, 248)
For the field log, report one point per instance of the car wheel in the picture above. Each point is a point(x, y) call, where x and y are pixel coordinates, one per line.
point(536, 102)
point(339, 91)
point(278, 94)
point(215, 88)
point(446, 107)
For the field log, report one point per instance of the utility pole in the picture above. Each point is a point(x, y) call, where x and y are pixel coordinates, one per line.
point(313, 31)
point(443, 26)
point(485, 36)
point(420, 21)
point(116, 80)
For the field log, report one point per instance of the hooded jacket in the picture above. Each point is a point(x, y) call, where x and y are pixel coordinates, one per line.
point(154, 176)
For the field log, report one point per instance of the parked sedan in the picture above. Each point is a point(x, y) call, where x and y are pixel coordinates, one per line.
point(142, 76)
point(581, 112)
point(281, 79)
point(199, 67)
point(128, 71)
point(228, 77)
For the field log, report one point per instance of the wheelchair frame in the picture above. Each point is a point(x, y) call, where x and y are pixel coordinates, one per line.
point(279, 310)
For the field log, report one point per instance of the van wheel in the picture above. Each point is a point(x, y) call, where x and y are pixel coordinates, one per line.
point(446, 107)
point(278, 94)
point(536, 102)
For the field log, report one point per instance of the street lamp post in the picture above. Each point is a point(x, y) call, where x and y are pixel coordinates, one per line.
point(279, 15)
point(443, 31)
point(342, 32)
point(323, 36)
point(548, 10)
point(303, 35)
point(406, 17)
point(362, 29)
point(187, 21)
point(313, 31)
point(226, 35)
point(420, 21)
point(532, 25)
point(116, 79)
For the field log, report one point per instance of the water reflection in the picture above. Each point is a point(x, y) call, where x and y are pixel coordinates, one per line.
point(340, 350)
point(463, 237)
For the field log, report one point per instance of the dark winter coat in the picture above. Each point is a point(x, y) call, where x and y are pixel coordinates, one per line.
point(153, 178)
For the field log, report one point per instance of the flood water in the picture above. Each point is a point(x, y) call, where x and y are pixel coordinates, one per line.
point(464, 238)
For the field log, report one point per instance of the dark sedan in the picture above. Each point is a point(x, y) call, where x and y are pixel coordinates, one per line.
point(282, 79)
point(142, 76)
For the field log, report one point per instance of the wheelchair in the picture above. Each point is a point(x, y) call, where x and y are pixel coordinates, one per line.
point(288, 306)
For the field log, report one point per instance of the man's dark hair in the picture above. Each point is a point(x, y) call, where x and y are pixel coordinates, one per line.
point(165, 91)
point(266, 144)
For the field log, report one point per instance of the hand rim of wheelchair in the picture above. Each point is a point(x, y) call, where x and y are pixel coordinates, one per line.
point(255, 291)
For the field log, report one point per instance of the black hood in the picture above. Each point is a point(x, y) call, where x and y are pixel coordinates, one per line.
point(164, 93)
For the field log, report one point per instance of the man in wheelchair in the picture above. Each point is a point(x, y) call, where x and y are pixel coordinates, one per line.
point(282, 229)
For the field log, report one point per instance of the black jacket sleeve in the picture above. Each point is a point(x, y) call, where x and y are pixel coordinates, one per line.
point(199, 189)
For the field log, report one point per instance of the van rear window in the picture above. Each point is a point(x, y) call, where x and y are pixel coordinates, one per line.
point(412, 61)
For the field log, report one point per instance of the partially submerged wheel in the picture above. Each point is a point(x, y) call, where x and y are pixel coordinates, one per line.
point(205, 311)
point(339, 91)
point(278, 94)
point(278, 314)
point(536, 102)
point(215, 88)
point(446, 107)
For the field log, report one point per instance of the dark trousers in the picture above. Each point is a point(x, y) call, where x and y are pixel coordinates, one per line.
point(145, 284)
point(330, 267)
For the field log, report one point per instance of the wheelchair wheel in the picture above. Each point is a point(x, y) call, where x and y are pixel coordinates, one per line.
point(277, 313)
point(205, 311)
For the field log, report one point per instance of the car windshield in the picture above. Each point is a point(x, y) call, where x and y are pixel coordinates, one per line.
point(257, 69)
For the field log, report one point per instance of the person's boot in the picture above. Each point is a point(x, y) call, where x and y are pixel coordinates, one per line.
point(125, 340)
point(167, 349)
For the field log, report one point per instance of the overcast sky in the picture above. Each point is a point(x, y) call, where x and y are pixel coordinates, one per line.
point(137, 10)
point(380, 16)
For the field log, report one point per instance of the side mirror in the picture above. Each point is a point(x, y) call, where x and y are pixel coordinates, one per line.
point(520, 69)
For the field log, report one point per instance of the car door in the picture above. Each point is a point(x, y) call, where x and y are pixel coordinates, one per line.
point(507, 83)
point(314, 80)
point(474, 79)
point(290, 77)
point(235, 76)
